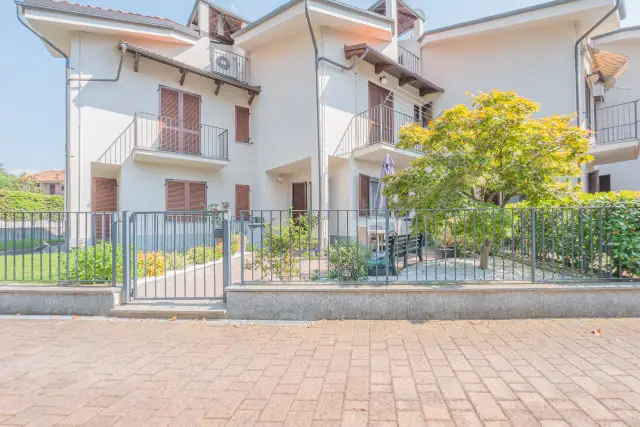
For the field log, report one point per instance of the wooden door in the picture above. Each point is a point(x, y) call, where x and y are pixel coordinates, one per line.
point(179, 122)
point(242, 200)
point(299, 198)
point(380, 114)
point(190, 119)
point(104, 202)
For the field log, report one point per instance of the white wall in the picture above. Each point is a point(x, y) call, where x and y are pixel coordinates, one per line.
point(101, 111)
point(536, 63)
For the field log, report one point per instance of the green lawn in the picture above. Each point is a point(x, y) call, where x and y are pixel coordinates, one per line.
point(41, 267)
point(23, 244)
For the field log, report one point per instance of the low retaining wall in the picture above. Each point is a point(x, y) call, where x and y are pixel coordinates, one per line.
point(422, 302)
point(53, 300)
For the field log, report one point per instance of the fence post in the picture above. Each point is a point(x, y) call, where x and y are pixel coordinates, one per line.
point(242, 235)
point(114, 248)
point(226, 253)
point(386, 246)
point(533, 245)
point(126, 254)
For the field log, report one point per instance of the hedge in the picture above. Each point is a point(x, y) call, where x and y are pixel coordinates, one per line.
point(21, 201)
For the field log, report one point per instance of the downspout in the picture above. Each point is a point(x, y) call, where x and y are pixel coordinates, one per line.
point(68, 79)
point(577, 53)
point(317, 60)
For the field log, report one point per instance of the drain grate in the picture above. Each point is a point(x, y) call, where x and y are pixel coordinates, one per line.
point(262, 322)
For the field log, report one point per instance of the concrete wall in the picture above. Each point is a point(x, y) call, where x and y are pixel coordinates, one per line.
point(83, 301)
point(536, 63)
point(397, 302)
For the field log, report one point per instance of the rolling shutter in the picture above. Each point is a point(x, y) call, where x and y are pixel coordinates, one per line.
point(363, 195)
point(104, 200)
point(242, 124)
point(242, 200)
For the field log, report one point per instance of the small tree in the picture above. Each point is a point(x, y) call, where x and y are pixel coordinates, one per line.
point(472, 155)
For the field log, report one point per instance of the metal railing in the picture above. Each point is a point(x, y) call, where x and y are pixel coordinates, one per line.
point(408, 60)
point(59, 247)
point(229, 64)
point(165, 134)
point(616, 123)
point(438, 245)
point(379, 125)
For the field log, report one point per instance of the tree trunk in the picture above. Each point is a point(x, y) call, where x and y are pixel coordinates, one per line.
point(484, 254)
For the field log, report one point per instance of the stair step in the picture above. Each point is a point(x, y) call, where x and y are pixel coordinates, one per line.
point(170, 309)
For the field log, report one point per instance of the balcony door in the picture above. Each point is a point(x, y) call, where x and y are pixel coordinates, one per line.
point(179, 122)
point(380, 115)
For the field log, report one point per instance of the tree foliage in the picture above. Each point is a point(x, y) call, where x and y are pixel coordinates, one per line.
point(496, 147)
point(24, 182)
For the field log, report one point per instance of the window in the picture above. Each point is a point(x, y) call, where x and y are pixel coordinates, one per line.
point(242, 124)
point(179, 121)
point(605, 183)
point(52, 189)
point(423, 114)
point(367, 195)
point(185, 195)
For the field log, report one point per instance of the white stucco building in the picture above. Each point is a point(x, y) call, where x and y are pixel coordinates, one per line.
point(164, 116)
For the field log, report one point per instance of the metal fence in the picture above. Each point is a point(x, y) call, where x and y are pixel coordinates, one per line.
point(58, 247)
point(378, 125)
point(166, 134)
point(616, 123)
point(410, 61)
point(440, 245)
point(229, 64)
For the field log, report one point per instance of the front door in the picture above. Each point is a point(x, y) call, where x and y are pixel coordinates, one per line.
point(242, 200)
point(104, 203)
point(380, 114)
point(299, 198)
point(593, 182)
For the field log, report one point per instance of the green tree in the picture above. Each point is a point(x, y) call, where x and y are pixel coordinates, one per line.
point(471, 155)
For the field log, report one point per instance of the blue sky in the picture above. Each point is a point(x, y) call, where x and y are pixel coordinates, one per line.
point(32, 111)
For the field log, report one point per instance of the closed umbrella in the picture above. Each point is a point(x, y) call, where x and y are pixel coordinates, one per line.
point(387, 169)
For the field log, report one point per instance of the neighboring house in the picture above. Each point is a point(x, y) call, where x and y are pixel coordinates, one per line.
point(164, 116)
point(51, 181)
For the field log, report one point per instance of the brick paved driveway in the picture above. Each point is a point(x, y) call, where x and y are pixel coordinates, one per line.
point(496, 373)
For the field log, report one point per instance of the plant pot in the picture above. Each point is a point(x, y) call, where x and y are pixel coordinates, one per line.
point(449, 252)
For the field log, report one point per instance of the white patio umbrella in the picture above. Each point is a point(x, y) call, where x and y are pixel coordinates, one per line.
point(387, 169)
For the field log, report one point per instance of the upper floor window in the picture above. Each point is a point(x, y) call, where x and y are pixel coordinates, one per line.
point(242, 124)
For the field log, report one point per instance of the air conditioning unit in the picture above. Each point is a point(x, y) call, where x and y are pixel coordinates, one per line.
point(228, 63)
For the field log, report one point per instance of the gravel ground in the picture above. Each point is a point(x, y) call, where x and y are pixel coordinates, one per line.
point(464, 269)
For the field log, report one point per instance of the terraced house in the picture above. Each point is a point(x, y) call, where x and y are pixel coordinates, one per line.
point(299, 108)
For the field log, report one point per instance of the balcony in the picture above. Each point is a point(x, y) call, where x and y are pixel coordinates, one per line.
point(375, 132)
point(229, 64)
point(164, 140)
point(408, 60)
point(616, 133)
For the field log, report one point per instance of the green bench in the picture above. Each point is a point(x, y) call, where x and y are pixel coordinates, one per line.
point(399, 246)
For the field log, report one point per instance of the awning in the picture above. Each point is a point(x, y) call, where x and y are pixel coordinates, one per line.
point(610, 66)
point(185, 69)
point(382, 63)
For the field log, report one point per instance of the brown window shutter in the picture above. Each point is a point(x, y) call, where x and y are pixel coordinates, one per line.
point(190, 123)
point(104, 199)
point(197, 196)
point(363, 195)
point(242, 200)
point(242, 124)
point(176, 192)
point(169, 121)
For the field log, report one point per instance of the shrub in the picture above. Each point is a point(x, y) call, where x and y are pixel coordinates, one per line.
point(348, 261)
point(203, 254)
point(20, 201)
point(150, 264)
point(94, 263)
point(175, 261)
point(235, 243)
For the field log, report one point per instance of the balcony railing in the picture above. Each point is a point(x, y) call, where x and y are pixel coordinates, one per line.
point(616, 123)
point(169, 135)
point(229, 64)
point(379, 125)
point(407, 59)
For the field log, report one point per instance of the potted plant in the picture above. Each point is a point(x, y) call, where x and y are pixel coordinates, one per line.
point(448, 244)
